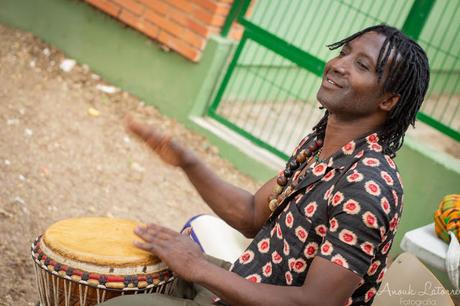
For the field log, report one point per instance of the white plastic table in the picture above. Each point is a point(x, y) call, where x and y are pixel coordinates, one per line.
point(423, 243)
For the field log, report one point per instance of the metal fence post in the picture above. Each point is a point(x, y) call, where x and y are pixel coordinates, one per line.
point(239, 7)
point(418, 15)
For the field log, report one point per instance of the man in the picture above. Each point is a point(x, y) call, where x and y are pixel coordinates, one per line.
point(322, 229)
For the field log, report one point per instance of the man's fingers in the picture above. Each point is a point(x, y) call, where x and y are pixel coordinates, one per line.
point(131, 124)
point(150, 243)
point(156, 239)
point(161, 229)
point(127, 120)
point(141, 130)
point(150, 247)
point(147, 236)
point(154, 139)
point(154, 234)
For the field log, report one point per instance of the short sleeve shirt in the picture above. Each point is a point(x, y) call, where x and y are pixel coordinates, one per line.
point(345, 209)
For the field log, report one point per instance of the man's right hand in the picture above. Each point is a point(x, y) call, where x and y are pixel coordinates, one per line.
point(167, 149)
point(239, 208)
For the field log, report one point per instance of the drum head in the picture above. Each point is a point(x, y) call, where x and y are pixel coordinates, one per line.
point(99, 241)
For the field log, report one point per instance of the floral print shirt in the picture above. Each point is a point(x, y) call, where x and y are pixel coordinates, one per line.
point(345, 209)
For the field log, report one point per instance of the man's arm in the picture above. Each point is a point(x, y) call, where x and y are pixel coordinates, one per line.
point(241, 209)
point(326, 283)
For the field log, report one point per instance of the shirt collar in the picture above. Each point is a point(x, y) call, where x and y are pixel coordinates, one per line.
point(353, 151)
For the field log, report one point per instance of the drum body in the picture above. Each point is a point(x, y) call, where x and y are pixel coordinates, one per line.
point(86, 261)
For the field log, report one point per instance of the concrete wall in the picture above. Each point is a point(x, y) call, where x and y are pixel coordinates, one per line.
point(427, 177)
point(179, 89)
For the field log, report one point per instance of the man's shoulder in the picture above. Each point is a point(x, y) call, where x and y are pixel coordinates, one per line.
point(375, 162)
point(377, 167)
point(374, 185)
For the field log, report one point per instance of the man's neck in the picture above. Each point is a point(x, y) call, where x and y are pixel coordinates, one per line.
point(339, 133)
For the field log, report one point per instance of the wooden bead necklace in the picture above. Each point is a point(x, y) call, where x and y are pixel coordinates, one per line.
point(304, 157)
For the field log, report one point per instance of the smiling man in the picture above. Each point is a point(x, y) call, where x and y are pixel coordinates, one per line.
point(323, 227)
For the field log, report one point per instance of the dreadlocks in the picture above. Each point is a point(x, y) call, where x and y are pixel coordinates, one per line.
point(408, 76)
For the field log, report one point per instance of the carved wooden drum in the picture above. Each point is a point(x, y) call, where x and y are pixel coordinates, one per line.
point(85, 261)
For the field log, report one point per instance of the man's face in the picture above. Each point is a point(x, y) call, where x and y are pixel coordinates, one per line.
point(350, 87)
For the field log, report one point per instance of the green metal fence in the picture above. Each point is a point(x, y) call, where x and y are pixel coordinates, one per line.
point(269, 88)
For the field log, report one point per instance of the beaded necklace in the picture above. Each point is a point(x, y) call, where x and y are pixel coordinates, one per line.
point(317, 159)
point(304, 157)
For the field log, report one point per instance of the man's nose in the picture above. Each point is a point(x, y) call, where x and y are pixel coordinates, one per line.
point(339, 66)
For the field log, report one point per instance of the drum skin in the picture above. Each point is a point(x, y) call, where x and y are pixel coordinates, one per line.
point(85, 261)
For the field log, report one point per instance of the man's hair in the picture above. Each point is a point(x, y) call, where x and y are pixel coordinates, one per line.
point(408, 76)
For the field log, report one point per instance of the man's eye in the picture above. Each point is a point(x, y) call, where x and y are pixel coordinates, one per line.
point(342, 53)
point(362, 65)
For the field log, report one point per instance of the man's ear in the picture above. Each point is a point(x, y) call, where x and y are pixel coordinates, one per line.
point(390, 102)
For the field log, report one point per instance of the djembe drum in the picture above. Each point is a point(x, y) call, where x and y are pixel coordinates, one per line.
point(86, 261)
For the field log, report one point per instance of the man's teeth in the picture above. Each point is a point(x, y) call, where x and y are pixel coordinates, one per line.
point(331, 82)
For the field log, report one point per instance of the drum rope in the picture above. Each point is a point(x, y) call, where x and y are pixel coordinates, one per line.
point(67, 293)
point(55, 282)
point(39, 285)
point(103, 295)
point(47, 278)
point(97, 293)
point(64, 284)
point(169, 288)
point(85, 295)
point(45, 284)
point(80, 294)
point(46, 287)
point(70, 290)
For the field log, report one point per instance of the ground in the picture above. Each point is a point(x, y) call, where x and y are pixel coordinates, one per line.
point(64, 153)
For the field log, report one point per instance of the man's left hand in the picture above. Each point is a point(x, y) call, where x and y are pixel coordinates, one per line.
point(178, 252)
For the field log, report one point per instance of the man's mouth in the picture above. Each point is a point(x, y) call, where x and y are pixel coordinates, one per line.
point(330, 81)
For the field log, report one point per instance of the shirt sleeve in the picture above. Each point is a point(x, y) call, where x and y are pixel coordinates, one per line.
point(359, 213)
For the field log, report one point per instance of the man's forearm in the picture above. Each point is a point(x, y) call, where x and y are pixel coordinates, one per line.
point(235, 290)
point(231, 203)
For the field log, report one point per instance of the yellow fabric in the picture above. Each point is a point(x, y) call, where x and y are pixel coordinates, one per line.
point(101, 241)
point(447, 217)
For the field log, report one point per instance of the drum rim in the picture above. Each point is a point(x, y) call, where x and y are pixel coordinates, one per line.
point(110, 282)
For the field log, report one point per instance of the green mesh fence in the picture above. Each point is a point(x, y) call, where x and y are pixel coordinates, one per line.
point(268, 93)
point(441, 39)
